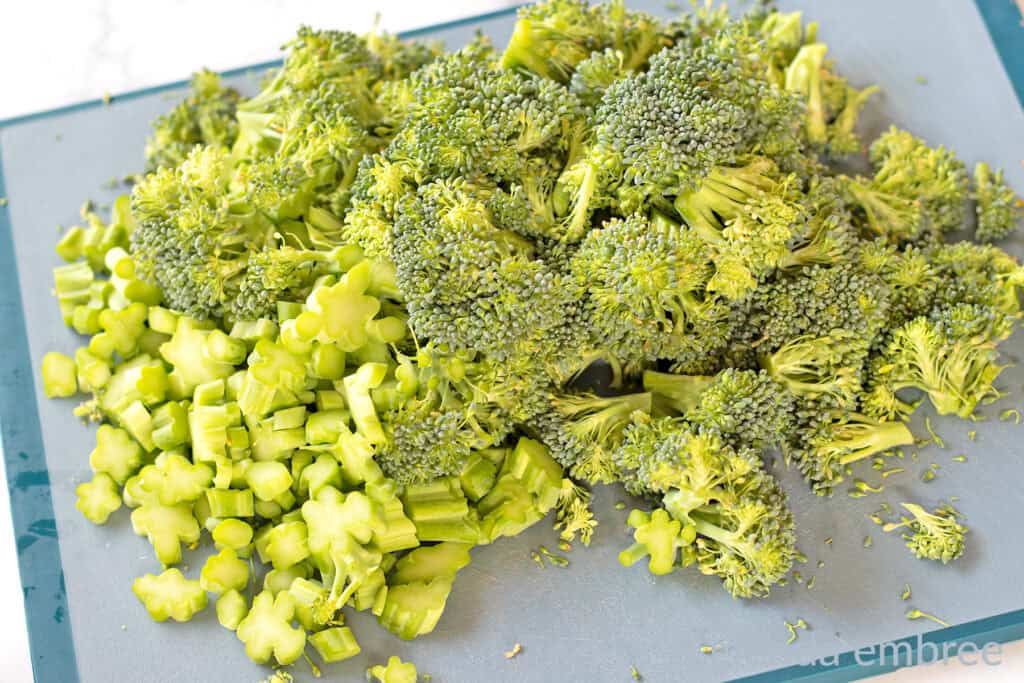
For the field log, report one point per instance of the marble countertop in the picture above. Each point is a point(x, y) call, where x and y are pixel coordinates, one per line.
point(110, 46)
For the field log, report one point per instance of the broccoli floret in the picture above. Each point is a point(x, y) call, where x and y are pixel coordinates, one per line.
point(642, 153)
point(916, 190)
point(999, 210)
point(824, 367)
point(824, 453)
point(644, 289)
point(551, 38)
point(745, 407)
point(832, 106)
point(932, 535)
point(470, 281)
point(956, 374)
point(742, 530)
point(815, 301)
point(583, 430)
point(205, 117)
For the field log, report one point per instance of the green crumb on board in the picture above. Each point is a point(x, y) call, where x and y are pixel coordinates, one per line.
point(515, 651)
point(959, 458)
point(564, 546)
point(936, 439)
point(1010, 414)
point(620, 505)
point(107, 98)
point(537, 559)
point(706, 649)
point(894, 470)
point(792, 628)
point(635, 673)
point(905, 595)
point(810, 582)
point(914, 614)
point(828, 541)
point(3, 201)
point(928, 475)
point(921, 80)
point(868, 542)
point(973, 434)
point(821, 563)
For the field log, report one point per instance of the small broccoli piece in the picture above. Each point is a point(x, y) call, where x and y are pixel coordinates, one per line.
point(554, 37)
point(731, 510)
point(470, 280)
point(231, 609)
point(224, 572)
point(932, 535)
point(59, 375)
point(817, 300)
point(116, 454)
point(956, 374)
point(815, 367)
point(396, 671)
point(999, 210)
point(169, 595)
point(823, 454)
point(583, 430)
point(832, 106)
point(267, 631)
point(335, 644)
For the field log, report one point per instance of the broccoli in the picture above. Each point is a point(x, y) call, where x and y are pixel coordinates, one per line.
point(932, 535)
point(205, 117)
point(824, 453)
point(739, 526)
point(998, 208)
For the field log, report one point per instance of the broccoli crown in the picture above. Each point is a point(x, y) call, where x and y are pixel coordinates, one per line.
point(468, 119)
point(744, 529)
point(583, 430)
point(552, 38)
point(205, 117)
point(817, 300)
point(468, 280)
point(644, 288)
point(747, 408)
point(450, 405)
point(694, 108)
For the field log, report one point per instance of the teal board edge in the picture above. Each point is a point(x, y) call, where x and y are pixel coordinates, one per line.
point(1004, 20)
point(53, 656)
point(28, 484)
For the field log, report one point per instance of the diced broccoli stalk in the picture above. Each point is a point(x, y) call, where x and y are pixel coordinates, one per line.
point(396, 671)
point(98, 498)
point(170, 595)
point(267, 631)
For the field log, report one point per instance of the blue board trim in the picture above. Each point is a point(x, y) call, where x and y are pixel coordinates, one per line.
point(53, 655)
point(1005, 24)
point(28, 484)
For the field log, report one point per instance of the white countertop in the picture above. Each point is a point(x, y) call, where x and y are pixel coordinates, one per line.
point(98, 46)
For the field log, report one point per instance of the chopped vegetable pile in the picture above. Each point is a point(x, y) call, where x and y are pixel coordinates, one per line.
point(348, 328)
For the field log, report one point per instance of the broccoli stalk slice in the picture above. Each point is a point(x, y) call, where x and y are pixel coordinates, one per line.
point(681, 392)
point(861, 438)
point(169, 595)
point(267, 631)
point(658, 537)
